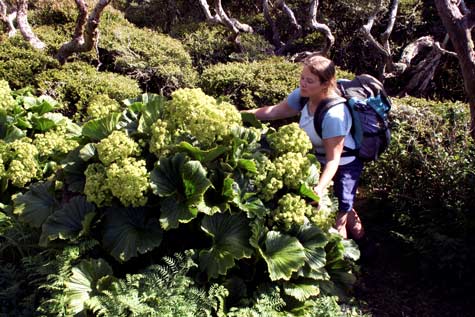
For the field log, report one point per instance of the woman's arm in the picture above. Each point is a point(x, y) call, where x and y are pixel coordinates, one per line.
point(333, 149)
point(281, 110)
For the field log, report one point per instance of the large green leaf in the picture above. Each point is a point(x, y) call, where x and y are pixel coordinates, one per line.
point(40, 105)
point(245, 201)
point(69, 222)
point(173, 212)
point(130, 231)
point(302, 291)
point(203, 156)
point(83, 282)
point(183, 184)
point(75, 165)
point(283, 254)
point(36, 204)
point(47, 121)
point(151, 111)
point(230, 235)
point(99, 129)
point(314, 241)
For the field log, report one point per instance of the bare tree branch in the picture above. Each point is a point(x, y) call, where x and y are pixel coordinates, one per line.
point(8, 18)
point(454, 20)
point(24, 26)
point(313, 23)
point(288, 11)
point(86, 33)
point(366, 30)
point(275, 31)
point(222, 18)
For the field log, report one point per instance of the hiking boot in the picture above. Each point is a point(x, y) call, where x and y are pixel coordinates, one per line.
point(354, 225)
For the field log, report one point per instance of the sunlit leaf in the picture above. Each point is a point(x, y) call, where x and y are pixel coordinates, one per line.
point(99, 129)
point(83, 282)
point(283, 254)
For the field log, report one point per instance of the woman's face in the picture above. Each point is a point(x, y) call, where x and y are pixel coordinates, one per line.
point(310, 84)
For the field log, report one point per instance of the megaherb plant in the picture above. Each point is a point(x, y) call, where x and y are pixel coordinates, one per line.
point(187, 173)
point(34, 137)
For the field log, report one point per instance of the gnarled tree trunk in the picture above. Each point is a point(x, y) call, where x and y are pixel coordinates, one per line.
point(459, 21)
point(86, 33)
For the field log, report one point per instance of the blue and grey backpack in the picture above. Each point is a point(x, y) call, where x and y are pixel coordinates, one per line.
point(369, 107)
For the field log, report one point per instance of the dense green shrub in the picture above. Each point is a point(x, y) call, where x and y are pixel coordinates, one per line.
point(159, 62)
point(19, 64)
point(54, 11)
point(254, 84)
point(75, 83)
point(211, 45)
point(428, 176)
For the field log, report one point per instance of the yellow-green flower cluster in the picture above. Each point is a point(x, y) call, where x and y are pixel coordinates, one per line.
point(128, 181)
point(292, 168)
point(116, 146)
point(96, 188)
point(291, 209)
point(290, 138)
point(324, 215)
point(102, 105)
point(160, 139)
point(202, 116)
point(7, 102)
point(54, 141)
point(264, 179)
point(23, 165)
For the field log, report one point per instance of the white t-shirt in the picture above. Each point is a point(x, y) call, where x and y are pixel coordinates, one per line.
point(337, 122)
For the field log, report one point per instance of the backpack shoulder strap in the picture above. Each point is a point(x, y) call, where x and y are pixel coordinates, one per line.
point(322, 109)
point(302, 102)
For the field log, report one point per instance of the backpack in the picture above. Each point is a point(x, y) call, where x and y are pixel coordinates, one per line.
point(369, 106)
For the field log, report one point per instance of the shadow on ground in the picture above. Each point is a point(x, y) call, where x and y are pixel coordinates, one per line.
point(391, 282)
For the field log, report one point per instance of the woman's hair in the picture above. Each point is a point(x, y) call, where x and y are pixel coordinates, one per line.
point(323, 68)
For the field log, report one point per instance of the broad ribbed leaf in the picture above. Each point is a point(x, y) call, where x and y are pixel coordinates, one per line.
point(301, 291)
point(165, 179)
point(183, 185)
point(74, 168)
point(99, 129)
point(87, 152)
point(215, 262)
point(231, 235)
point(351, 250)
point(202, 155)
point(129, 231)
point(173, 212)
point(13, 133)
point(151, 110)
point(247, 202)
point(195, 181)
point(83, 281)
point(69, 222)
point(313, 240)
point(40, 105)
point(37, 204)
point(284, 254)
point(47, 121)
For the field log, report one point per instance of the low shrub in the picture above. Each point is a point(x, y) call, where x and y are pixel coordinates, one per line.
point(209, 45)
point(76, 83)
point(159, 62)
point(255, 84)
point(250, 85)
point(19, 64)
point(428, 176)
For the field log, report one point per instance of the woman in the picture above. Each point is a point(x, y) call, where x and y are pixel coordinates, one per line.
point(318, 83)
